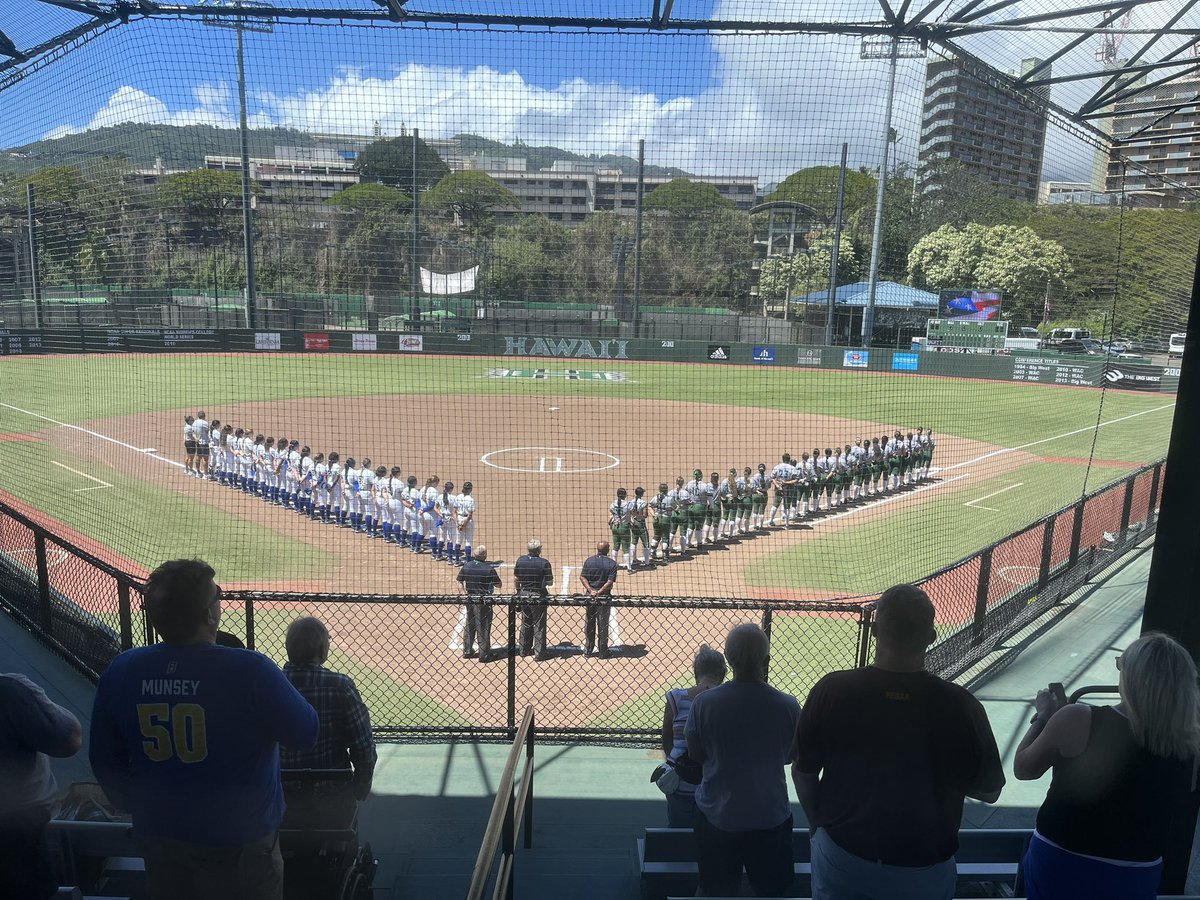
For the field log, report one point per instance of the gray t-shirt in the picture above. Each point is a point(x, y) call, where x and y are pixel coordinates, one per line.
point(30, 726)
point(744, 731)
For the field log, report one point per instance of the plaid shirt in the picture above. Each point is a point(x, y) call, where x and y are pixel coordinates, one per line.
point(345, 735)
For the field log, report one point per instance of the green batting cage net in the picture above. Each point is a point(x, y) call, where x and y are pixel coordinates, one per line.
point(787, 302)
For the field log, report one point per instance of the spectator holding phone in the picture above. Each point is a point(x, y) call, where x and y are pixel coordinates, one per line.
point(1119, 772)
point(709, 670)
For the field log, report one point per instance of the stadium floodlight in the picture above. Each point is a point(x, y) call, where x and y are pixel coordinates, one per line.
point(890, 48)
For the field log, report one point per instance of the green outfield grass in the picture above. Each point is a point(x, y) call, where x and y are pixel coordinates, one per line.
point(122, 515)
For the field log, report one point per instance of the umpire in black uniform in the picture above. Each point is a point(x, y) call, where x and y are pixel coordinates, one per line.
point(598, 575)
point(533, 578)
point(480, 579)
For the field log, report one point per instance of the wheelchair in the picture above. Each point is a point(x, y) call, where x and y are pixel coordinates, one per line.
point(319, 838)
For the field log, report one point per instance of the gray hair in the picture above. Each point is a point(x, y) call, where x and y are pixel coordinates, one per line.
point(1158, 686)
point(747, 648)
point(535, 546)
point(709, 662)
point(307, 641)
point(481, 553)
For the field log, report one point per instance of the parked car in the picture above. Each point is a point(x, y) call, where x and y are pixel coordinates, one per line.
point(1026, 332)
point(1146, 346)
point(1119, 345)
point(1175, 345)
point(1095, 346)
point(1071, 346)
point(1059, 335)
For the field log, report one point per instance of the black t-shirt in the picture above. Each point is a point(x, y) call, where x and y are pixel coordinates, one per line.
point(1114, 799)
point(479, 577)
point(898, 750)
point(533, 574)
point(599, 570)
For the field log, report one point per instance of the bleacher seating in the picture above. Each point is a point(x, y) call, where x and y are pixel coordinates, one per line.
point(667, 858)
point(100, 858)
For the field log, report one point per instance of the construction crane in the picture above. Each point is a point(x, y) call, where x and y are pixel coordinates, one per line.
point(1110, 41)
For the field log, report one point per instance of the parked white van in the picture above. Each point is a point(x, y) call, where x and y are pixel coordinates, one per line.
point(1175, 345)
point(1058, 335)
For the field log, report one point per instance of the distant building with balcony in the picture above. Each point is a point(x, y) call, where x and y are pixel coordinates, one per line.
point(1077, 193)
point(1163, 169)
point(997, 134)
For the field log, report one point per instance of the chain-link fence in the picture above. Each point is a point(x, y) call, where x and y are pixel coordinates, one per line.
point(421, 680)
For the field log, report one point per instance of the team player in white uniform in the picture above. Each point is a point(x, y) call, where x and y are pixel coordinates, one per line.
point(366, 497)
point(306, 483)
point(429, 500)
point(334, 510)
point(410, 498)
point(780, 475)
point(681, 502)
point(760, 486)
point(466, 523)
point(202, 430)
point(350, 516)
point(389, 486)
point(189, 445)
point(448, 515)
point(320, 488)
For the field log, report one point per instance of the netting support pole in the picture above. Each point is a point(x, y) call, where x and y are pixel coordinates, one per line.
point(1127, 506)
point(249, 624)
point(868, 321)
point(637, 236)
point(865, 618)
point(1155, 481)
point(247, 209)
point(34, 287)
point(981, 595)
point(124, 611)
point(414, 300)
point(1076, 534)
point(1047, 554)
point(45, 616)
point(1170, 601)
point(512, 670)
point(766, 627)
point(831, 296)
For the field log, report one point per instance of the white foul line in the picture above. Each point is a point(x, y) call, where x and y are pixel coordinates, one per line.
point(99, 484)
point(989, 496)
point(1058, 436)
point(103, 437)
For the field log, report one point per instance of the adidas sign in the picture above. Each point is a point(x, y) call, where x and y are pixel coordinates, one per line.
point(718, 353)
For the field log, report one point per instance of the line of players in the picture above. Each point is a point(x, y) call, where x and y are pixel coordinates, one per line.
point(698, 511)
point(374, 501)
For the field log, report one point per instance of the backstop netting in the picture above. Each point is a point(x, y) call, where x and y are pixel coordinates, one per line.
point(630, 286)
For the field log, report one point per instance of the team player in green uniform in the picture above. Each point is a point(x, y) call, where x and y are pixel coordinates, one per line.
point(620, 511)
point(681, 517)
point(662, 506)
point(697, 508)
point(760, 483)
point(745, 499)
point(638, 534)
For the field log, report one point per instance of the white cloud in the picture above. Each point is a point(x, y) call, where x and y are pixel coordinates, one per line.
point(213, 106)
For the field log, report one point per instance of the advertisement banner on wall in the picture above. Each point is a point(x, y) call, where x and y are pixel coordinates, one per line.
point(854, 359)
point(364, 341)
point(1133, 378)
point(808, 356)
point(317, 342)
point(413, 343)
point(906, 362)
point(718, 352)
point(266, 340)
point(763, 354)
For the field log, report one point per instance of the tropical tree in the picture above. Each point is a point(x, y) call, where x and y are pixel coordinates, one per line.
point(682, 197)
point(817, 187)
point(369, 196)
point(390, 161)
point(807, 270)
point(1001, 257)
point(208, 203)
point(470, 198)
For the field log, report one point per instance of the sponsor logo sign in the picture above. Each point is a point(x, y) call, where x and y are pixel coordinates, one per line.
point(412, 343)
point(808, 356)
point(266, 340)
point(719, 352)
point(854, 359)
point(364, 341)
point(906, 362)
point(1136, 378)
point(763, 354)
point(319, 342)
point(568, 348)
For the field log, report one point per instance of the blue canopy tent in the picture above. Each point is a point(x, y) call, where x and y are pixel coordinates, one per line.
point(900, 311)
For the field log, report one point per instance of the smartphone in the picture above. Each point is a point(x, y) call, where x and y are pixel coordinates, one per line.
point(1058, 692)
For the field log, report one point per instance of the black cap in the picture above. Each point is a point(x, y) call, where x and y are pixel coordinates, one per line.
point(620, 492)
point(638, 491)
point(467, 486)
point(663, 486)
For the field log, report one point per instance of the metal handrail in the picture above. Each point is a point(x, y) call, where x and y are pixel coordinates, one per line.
point(509, 810)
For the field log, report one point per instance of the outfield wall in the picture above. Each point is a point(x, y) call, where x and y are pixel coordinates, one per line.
point(1041, 367)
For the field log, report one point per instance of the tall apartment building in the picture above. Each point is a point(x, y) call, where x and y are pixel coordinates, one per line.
point(997, 134)
point(1164, 170)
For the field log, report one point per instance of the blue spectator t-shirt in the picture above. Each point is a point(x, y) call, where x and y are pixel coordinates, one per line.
point(187, 738)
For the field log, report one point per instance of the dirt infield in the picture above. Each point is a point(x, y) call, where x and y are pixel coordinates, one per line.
point(550, 468)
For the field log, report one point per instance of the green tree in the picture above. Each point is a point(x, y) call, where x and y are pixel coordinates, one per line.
point(470, 198)
point(807, 271)
point(369, 196)
point(207, 202)
point(688, 259)
point(951, 194)
point(817, 187)
point(390, 161)
point(681, 197)
point(519, 270)
point(1001, 257)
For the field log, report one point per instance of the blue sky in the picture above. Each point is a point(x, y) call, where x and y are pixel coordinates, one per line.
point(729, 104)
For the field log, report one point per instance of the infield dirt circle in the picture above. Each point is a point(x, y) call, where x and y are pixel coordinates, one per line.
point(545, 466)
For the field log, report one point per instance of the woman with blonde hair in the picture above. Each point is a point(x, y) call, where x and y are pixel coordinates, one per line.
point(1118, 773)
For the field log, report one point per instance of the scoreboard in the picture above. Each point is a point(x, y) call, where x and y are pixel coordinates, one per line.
point(958, 333)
